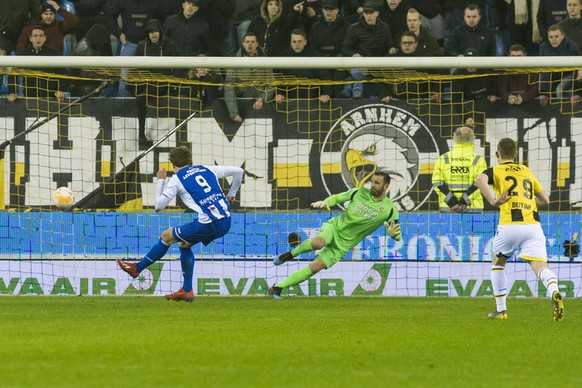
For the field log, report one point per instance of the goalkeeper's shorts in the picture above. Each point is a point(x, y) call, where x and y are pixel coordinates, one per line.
point(331, 253)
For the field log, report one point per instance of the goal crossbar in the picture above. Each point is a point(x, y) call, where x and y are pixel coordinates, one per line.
point(287, 63)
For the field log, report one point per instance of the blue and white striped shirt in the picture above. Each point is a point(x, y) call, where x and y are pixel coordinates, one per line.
point(198, 187)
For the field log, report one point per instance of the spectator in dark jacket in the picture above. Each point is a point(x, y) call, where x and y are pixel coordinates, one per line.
point(558, 83)
point(89, 12)
point(156, 43)
point(471, 34)
point(38, 86)
point(299, 49)
point(327, 35)
point(517, 89)
point(134, 17)
point(244, 11)
point(455, 9)
point(393, 13)
point(410, 48)
point(432, 16)
point(55, 30)
point(189, 32)
point(474, 88)
point(207, 88)
point(147, 93)
point(272, 27)
point(353, 9)
point(550, 12)
point(306, 14)
point(217, 13)
point(96, 42)
point(369, 37)
point(237, 87)
point(473, 92)
point(14, 16)
point(572, 25)
point(425, 40)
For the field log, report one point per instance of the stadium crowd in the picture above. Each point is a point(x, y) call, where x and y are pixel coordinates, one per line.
point(307, 28)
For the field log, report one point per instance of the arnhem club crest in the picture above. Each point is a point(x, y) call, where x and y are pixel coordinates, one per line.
point(378, 137)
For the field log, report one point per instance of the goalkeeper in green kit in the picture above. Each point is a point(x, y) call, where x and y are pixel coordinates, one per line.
point(368, 209)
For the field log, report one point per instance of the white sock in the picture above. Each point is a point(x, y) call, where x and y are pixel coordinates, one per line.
point(499, 283)
point(549, 278)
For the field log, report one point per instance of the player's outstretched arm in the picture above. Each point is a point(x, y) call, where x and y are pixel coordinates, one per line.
point(334, 199)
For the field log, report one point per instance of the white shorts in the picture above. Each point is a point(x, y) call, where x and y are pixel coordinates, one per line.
point(529, 239)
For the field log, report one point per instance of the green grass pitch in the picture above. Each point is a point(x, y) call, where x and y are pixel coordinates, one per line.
point(295, 342)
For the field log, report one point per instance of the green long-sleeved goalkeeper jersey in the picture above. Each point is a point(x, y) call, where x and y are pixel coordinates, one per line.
point(362, 216)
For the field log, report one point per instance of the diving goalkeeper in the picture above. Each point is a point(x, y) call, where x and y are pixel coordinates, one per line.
point(368, 209)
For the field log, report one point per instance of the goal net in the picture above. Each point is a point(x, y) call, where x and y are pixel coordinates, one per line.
point(296, 147)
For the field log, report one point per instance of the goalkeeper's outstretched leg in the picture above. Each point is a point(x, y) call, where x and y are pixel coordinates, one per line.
point(297, 277)
point(308, 245)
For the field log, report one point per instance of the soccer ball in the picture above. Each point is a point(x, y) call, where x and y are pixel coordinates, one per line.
point(63, 197)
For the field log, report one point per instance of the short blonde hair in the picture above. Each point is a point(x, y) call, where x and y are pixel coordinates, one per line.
point(413, 10)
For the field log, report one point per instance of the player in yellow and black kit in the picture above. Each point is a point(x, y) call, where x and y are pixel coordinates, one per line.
point(517, 194)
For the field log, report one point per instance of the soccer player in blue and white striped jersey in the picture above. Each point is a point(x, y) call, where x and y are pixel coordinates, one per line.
point(198, 187)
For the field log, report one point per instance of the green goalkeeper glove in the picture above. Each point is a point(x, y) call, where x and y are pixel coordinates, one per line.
point(393, 229)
